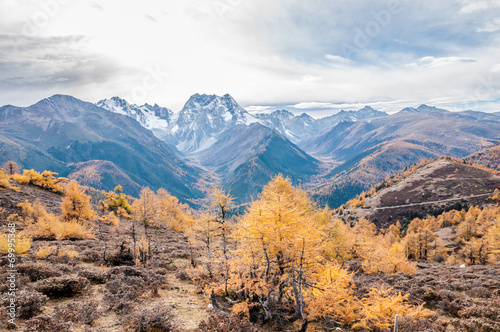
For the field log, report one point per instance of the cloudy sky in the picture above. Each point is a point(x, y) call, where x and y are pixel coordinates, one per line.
point(317, 55)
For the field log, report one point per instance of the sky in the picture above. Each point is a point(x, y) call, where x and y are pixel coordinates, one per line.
point(315, 56)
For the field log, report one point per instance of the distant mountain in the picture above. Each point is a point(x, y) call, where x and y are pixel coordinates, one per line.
point(424, 109)
point(247, 157)
point(203, 118)
point(444, 133)
point(60, 132)
point(368, 151)
point(303, 127)
point(489, 157)
point(295, 128)
point(155, 118)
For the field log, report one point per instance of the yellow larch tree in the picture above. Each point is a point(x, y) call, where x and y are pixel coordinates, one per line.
point(281, 247)
point(76, 204)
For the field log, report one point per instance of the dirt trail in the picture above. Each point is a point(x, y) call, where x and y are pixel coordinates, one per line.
point(430, 202)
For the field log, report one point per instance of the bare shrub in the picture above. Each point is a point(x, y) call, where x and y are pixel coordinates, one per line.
point(61, 286)
point(221, 323)
point(182, 275)
point(47, 323)
point(38, 271)
point(28, 302)
point(94, 276)
point(127, 283)
point(156, 318)
point(85, 312)
point(91, 255)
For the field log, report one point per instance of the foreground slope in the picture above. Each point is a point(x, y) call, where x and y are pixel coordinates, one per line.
point(61, 130)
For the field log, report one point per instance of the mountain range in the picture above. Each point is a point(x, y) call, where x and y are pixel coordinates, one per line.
point(336, 157)
point(67, 135)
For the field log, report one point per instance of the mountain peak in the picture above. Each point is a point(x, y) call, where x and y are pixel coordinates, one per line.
point(366, 108)
point(430, 109)
point(424, 109)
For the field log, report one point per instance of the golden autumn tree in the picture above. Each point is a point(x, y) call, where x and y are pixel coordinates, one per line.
point(280, 248)
point(76, 204)
point(10, 168)
point(145, 211)
point(420, 241)
point(493, 236)
point(340, 241)
point(203, 236)
point(333, 296)
point(222, 202)
point(211, 233)
point(172, 213)
point(117, 201)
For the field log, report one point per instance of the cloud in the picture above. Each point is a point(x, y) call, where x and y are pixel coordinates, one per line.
point(310, 78)
point(432, 62)
point(338, 59)
point(259, 109)
point(473, 6)
point(491, 26)
point(313, 104)
point(283, 52)
point(151, 18)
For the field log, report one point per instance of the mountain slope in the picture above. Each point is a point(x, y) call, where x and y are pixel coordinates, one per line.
point(368, 151)
point(489, 157)
point(427, 188)
point(155, 118)
point(247, 157)
point(62, 130)
point(203, 118)
point(437, 131)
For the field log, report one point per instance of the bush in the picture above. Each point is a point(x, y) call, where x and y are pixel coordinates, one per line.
point(122, 257)
point(156, 318)
point(29, 303)
point(21, 246)
point(182, 275)
point(38, 271)
point(50, 227)
point(127, 284)
point(62, 286)
point(73, 254)
point(221, 323)
point(94, 276)
point(85, 312)
point(47, 323)
point(46, 180)
point(90, 256)
point(45, 250)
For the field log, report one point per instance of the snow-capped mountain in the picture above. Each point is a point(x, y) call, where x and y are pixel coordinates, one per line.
point(203, 118)
point(423, 109)
point(302, 127)
point(155, 118)
point(295, 128)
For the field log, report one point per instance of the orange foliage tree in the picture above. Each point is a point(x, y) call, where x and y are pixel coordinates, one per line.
point(76, 204)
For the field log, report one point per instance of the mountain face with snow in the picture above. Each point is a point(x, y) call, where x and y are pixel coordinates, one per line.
point(204, 118)
point(155, 118)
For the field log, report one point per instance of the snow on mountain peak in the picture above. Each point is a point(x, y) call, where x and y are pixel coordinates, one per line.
point(151, 117)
